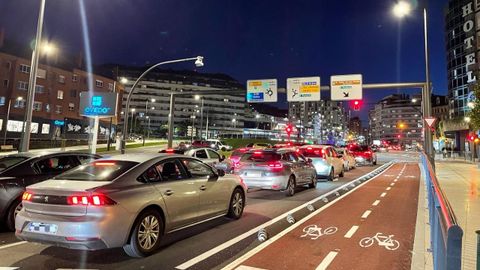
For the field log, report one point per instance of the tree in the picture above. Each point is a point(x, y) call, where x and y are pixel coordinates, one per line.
point(474, 114)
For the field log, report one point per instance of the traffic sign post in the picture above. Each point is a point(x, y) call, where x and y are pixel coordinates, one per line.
point(262, 91)
point(346, 87)
point(430, 121)
point(303, 89)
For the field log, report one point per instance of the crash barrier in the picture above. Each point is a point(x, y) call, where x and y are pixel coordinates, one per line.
point(445, 233)
point(297, 214)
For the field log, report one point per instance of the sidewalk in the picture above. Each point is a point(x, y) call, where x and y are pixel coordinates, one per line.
point(461, 183)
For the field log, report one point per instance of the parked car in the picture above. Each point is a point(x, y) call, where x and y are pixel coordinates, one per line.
point(259, 145)
point(128, 201)
point(177, 151)
point(212, 158)
point(214, 144)
point(20, 170)
point(276, 169)
point(348, 159)
point(363, 154)
point(327, 162)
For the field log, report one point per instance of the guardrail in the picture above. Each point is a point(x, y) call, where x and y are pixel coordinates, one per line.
point(445, 233)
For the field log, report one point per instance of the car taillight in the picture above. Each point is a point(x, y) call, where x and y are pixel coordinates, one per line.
point(97, 200)
point(170, 151)
point(276, 165)
point(27, 196)
point(257, 152)
point(368, 153)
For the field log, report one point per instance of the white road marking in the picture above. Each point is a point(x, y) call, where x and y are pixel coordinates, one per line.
point(265, 244)
point(375, 203)
point(244, 267)
point(388, 188)
point(383, 194)
point(13, 244)
point(395, 180)
point(366, 214)
point(392, 184)
point(327, 261)
point(239, 238)
point(9, 268)
point(351, 232)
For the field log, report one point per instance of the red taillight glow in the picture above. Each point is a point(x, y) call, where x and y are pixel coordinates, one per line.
point(170, 150)
point(103, 163)
point(27, 196)
point(309, 148)
point(276, 165)
point(96, 200)
point(257, 152)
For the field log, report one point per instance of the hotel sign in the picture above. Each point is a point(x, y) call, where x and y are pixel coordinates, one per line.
point(101, 104)
point(470, 14)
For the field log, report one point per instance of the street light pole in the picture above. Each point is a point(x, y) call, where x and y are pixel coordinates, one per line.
point(198, 62)
point(25, 141)
point(427, 92)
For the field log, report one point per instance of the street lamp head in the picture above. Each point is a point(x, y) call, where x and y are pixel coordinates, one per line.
point(153, 108)
point(132, 110)
point(123, 80)
point(48, 48)
point(234, 120)
point(153, 100)
point(402, 9)
point(467, 119)
point(199, 61)
point(414, 100)
point(19, 98)
point(257, 116)
point(197, 97)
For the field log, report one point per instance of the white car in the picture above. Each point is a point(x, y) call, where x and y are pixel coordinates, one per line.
point(212, 158)
point(219, 145)
point(327, 162)
point(348, 159)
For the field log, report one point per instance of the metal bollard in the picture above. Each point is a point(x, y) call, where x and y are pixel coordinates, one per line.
point(262, 235)
point(290, 219)
point(478, 249)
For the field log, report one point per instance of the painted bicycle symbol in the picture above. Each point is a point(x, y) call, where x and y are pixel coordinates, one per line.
point(294, 92)
point(383, 240)
point(314, 232)
point(269, 92)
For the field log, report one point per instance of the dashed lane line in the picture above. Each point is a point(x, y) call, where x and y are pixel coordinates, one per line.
point(383, 194)
point(375, 203)
point(327, 261)
point(13, 244)
point(388, 188)
point(351, 232)
point(366, 213)
point(392, 184)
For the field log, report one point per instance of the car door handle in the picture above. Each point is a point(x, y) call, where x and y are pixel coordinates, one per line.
point(203, 188)
point(169, 192)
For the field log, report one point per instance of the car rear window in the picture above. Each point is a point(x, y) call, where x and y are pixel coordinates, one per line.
point(261, 157)
point(237, 153)
point(312, 152)
point(358, 148)
point(7, 162)
point(101, 170)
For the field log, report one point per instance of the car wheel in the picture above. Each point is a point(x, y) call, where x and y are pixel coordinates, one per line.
point(331, 176)
point(146, 235)
point(291, 186)
point(342, 173)
point(237, 204)
point(12, 213)
point(374, 162)
point(313, 184)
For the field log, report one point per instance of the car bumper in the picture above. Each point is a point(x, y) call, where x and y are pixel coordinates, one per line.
point(363, 160)
point(266, 182)
point(84, 232)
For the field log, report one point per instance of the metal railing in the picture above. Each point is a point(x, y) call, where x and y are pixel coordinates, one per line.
point(445, 233)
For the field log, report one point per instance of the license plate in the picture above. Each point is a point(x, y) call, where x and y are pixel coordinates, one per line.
point(253, 174)
point(40, 227)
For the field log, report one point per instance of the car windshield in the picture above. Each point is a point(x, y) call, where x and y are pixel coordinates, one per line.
point(102, 170)
point(7, 162)
point(260, 157)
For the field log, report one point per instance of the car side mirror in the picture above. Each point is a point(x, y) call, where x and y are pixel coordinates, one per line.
point(220, 172)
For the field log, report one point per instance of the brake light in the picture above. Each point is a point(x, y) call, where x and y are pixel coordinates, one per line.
point(97, 200)
point(27, 196)
point(276, 165)
point(368, 153)
point(309, 148)
point(103, 163)
point(170, 150)
point(257, 152)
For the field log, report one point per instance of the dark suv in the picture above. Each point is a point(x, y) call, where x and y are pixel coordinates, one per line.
point(20, 170)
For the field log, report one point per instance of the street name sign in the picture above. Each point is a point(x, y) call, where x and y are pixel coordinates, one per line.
point(430, 121)
point(346, 87)
point(101, 104)
point(262, 91)
point(303, 89)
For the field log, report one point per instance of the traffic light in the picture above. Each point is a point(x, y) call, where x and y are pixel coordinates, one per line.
point(356, 104)
point(289, 129)
point(473, 137)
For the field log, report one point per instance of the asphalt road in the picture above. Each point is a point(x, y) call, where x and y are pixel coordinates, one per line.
point(211, 245)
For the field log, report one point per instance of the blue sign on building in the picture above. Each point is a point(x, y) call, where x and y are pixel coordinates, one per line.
point(59, 122)
point(102, 104)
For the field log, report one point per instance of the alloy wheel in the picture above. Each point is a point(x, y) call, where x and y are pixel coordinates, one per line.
point(237, 204)
point(148, 232)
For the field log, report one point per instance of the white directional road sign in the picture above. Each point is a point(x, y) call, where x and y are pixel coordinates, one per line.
point(303, 89)
point(262, 91)
point(346, 87)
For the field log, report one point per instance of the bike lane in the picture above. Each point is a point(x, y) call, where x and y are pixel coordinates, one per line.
point(331, 238)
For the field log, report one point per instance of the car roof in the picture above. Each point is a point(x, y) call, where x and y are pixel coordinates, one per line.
point(45, 153)
point(141, 157)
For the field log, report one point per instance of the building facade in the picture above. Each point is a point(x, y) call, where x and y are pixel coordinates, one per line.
point(223, 113)
point(397, 120)
point(56, 105)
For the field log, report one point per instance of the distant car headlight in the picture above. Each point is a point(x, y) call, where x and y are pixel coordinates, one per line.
point(212, 145)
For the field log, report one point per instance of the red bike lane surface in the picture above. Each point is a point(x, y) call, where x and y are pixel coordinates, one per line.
point(384, 206)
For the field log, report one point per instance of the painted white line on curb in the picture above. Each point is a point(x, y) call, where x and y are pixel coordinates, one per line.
point(265, 244)
point(13, 244)
point(383, 194)
point(253, 231)
point(327, 261)
point(375, 203)
point(351, 232)
point(388, 188)
point(366, 214)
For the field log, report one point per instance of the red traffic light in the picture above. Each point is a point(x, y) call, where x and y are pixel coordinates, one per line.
point(473, 137)
point(356, 104)
point(288, 129)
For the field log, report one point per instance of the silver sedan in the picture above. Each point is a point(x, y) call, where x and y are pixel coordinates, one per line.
point(127, 201)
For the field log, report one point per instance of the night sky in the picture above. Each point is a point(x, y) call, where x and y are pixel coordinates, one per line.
point(248, 39)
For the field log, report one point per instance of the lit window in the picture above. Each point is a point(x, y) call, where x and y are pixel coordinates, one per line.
point(110, 86)
point(71, 106)
point(47, 107)
point(74, 78)
point(22, 85)
point(58, 109)
point(59, 94)
point(61, 79)
point(37, 106)
point(19, 104)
